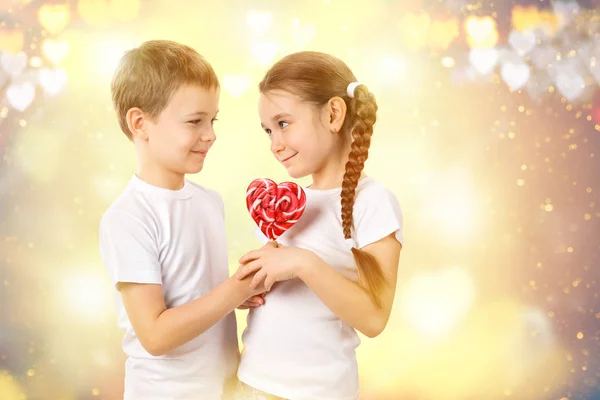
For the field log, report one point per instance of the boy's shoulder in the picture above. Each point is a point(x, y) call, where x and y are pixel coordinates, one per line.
point(139, 207)
point(208, 192)
point(129, 205)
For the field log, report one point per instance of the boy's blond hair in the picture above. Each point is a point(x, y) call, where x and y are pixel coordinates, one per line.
point(148, 76)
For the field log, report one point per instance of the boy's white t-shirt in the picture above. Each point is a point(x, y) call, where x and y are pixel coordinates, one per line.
point(175, 238)
point(295, 347)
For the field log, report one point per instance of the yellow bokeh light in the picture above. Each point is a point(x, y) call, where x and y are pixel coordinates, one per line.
point(9, 387)
point(433, 302)
point(54, 17)
point(451, 205)
point(263, 52)
point(56, 51)
point(481, 32)
point(85, 294)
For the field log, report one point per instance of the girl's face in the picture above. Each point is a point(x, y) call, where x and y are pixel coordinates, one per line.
point(301, 135)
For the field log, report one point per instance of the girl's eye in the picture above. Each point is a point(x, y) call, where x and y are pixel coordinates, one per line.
point(268, 132)
point(213, 121)
point(195, 122)
point(283, 122)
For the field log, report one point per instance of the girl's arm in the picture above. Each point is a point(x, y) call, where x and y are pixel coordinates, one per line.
point(348, 300)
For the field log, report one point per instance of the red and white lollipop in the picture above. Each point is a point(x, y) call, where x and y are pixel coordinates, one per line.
point(275, 207)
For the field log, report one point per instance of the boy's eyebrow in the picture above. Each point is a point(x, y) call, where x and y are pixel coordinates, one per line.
point(199, 113)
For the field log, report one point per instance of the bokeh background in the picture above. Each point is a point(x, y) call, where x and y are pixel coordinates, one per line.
point(488, 133)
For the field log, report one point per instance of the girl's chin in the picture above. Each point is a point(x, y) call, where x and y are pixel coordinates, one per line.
point(296, 173)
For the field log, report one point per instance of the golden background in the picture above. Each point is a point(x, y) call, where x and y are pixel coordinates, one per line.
point(497, 295)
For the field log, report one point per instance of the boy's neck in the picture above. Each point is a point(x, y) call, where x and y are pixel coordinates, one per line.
point(161, 178)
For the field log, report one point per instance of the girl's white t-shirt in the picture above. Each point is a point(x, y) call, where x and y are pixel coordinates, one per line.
point(295, 347)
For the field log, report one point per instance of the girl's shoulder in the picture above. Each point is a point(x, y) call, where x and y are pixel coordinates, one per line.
point(370, 192)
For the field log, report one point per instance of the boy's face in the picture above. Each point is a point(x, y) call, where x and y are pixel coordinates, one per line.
point(183, 132)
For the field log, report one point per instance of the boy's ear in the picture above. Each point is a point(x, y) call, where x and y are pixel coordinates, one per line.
point(136, 122)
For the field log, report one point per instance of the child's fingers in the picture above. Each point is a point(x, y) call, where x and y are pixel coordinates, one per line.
point(258, 278)
point(252, 302)
point(252, 255)
point(258, 299)
point(248, 269)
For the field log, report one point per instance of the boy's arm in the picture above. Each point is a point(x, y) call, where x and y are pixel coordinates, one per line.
point(161, 330)
point(128, 249)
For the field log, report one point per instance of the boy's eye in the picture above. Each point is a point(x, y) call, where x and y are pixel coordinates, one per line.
point(213, 121)
point(195, 121)
point(268, 132)
point(283, 122)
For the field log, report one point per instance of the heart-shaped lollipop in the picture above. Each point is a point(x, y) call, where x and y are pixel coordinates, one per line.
point(275, 207)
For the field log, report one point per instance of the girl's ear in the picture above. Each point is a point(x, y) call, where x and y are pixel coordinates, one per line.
point(337, 113)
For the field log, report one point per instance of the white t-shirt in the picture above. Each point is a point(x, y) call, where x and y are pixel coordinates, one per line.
point(175, 238)
point(294, 346)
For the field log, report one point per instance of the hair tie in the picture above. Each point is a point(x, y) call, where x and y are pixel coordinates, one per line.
point(351, 87)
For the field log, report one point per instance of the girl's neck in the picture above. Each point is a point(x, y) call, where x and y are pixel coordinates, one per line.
point(331, 176)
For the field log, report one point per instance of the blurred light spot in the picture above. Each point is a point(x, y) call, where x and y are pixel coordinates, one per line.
point(434, 301)
point(236, 85)
point(448, 62)
point(259, 22)
point(392, 69)
point(85, 295)
point(263, 52)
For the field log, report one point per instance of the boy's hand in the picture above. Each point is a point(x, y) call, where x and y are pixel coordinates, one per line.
point(253, 302)
point(257, 297)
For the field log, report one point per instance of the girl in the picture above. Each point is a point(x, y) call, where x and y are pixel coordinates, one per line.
point(333, 272)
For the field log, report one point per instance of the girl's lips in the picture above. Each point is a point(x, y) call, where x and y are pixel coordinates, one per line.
point(289, 158)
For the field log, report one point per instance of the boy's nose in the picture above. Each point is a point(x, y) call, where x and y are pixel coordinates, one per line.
point(208, 135)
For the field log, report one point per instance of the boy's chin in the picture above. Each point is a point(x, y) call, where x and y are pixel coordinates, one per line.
point(194, 169)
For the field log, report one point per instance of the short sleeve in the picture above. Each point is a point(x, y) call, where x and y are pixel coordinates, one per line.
point(376, 215)
point(128, 249)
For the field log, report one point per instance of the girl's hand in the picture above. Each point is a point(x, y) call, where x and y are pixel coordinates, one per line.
point(256, 298)
point(274, 264)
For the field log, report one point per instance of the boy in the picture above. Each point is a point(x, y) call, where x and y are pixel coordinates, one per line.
point(163, 239)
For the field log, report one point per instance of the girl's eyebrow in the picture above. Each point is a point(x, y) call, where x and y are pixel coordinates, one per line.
point(276, 117)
